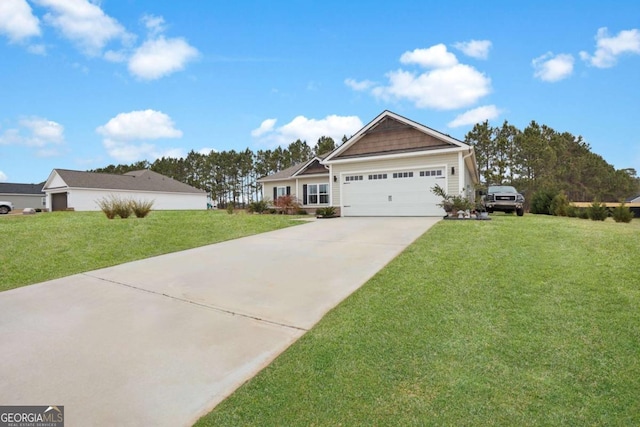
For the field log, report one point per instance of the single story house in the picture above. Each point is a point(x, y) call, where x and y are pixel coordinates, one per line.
point(386, 169)
point(635, 199)
point(23, 195)
point(81, 191)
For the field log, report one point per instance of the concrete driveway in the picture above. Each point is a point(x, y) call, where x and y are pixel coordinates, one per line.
point(161, 341)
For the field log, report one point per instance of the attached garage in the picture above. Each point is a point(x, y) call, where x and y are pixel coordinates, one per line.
point(405, 192)
point(59, 201)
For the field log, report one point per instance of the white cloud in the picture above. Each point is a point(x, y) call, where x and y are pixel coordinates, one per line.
point(3, 177)
point(552, 68)
point(140, 125)
point(84, 23)
point(443, 88)
point(359, 85)
point(155, 24)
point(34, 132)
point(447, 85)
point(160, 57)
point(126, 135)
point(309, 130)
point(265, 127)
point(17, 20)
point(43, 132)
point(608, 49)
point(434, 57)
point(127, 152)
point(477, 115)
point(478, 49)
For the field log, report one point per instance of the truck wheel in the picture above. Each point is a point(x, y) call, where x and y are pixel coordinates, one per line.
point(520, 212)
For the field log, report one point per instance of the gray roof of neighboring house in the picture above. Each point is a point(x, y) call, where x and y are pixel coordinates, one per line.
point(142, 180)
point(13, 188)
point(292, 170)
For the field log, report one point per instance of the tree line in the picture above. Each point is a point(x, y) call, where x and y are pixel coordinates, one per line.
point(541, 158)
point(533, 159)
point(229, 176)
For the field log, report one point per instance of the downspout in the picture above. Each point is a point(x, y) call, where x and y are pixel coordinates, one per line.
point(330, 184)
point(462, 169)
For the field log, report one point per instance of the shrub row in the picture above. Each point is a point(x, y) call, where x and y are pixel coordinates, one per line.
point(553, 203)
point(114, 205)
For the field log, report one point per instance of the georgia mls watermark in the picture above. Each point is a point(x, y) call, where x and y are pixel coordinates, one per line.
point(31, 416)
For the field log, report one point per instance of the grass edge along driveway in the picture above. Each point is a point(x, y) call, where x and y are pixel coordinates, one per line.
point(51, 245)
point(516, 321)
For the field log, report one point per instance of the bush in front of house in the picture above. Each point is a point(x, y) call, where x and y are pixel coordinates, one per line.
point(622, 213)
point(287, 204)
point(327, 212)
point(141, 208)
point(597, 211)
point(108, 205)
point(259, 206)
point(114, 205)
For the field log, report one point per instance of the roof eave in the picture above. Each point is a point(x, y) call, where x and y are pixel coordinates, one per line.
point(396, 155)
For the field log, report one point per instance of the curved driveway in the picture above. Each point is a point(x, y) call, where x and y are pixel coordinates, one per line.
point(161, 341)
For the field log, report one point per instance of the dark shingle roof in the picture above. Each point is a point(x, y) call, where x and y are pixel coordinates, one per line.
point(142, 180)
point(290, 171)
point(13, 188)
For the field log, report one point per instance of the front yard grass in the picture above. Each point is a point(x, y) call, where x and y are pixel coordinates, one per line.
point(51, 245)
point(512, 322)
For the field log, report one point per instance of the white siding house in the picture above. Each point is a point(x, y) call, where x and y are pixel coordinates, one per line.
point(81, 191)
point(23, 195)
point(387, 168)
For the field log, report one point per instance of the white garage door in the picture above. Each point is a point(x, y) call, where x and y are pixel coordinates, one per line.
point(392, 193)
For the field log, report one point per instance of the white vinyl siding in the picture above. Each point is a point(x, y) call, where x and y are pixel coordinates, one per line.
point(87, 199)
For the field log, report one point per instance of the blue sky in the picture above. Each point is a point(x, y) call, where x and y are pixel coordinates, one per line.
point(85, 84)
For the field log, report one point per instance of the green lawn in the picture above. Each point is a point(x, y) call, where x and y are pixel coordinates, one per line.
point(514, 322)
point(51, 245)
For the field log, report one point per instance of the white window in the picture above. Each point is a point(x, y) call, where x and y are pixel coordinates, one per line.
point(403, 175)
point(282, 191)
point(317, 194)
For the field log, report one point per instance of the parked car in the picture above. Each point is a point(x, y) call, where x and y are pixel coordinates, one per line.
point(504, 198)
point(5, 207)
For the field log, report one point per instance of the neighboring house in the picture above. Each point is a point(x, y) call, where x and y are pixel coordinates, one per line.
point(634, 199)
point(81, 191)
point(23, 195)
point(386, 169)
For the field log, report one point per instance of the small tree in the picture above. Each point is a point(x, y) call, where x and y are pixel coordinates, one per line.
point(559, 205)
point(541, 202)
point(597, 211)
point(287, 204)
point(622, 213)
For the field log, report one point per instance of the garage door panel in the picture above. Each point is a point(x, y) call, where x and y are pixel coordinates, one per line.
point(406, 196)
